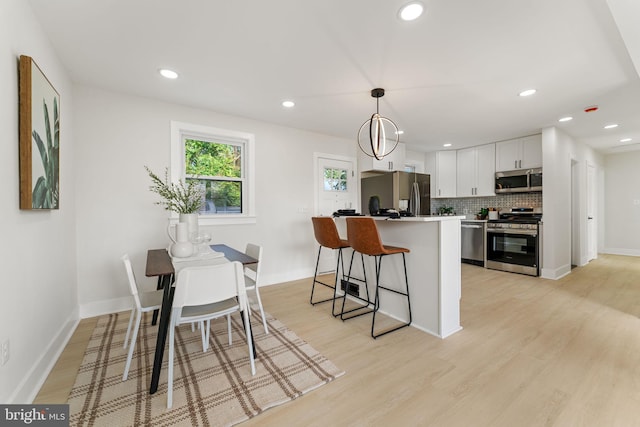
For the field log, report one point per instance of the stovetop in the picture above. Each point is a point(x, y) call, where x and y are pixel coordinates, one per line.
point(517, 218)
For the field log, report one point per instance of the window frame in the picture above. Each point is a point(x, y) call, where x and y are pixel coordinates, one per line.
point(180, 131)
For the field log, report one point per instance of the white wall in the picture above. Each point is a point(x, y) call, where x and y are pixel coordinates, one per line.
point(38, 307)
point(622, 203)
point(558, 151)
point(119, 134)
point(416, 158)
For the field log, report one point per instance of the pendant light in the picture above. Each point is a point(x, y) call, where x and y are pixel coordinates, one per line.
point(376, 145)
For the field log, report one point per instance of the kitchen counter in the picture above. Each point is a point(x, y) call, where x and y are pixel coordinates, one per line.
point(425, 218)
point(433, 270)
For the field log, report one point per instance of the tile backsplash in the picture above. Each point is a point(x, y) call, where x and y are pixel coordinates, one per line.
point(472, 205)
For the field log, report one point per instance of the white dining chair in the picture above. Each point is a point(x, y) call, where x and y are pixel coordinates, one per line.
point(252, 277)
point(144, 302)
point(204, 293)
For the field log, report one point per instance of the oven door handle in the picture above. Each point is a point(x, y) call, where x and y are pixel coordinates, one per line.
point(533, 233)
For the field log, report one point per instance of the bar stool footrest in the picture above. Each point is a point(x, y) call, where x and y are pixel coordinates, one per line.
point(390, 330)
point(324, 300)
point(355, 315)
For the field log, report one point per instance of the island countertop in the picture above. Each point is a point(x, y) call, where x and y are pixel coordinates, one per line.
point(420, 218)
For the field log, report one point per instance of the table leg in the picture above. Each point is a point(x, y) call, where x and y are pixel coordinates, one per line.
point(154, 319)
point(253, 341)
point(167, 302)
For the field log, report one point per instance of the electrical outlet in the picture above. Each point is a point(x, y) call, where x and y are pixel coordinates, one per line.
point(4, 354)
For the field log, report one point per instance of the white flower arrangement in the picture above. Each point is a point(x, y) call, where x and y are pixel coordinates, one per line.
point(180, 198)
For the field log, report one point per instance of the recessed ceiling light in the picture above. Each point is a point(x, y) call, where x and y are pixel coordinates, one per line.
point(400, 132)
point(611, 126)
point(625, 140)
point(411, 11)
point(565, 119)
point(288, 104)
point(527, 92)
point(446, 145)
point(169, 74)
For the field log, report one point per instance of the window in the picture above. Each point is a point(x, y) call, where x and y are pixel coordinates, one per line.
point(222, 162)
point(335, 179)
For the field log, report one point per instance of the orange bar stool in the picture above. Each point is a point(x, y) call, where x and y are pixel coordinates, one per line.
point(363, 237)
point(327, 236)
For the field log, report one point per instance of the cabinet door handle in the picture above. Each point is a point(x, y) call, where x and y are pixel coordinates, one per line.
point(515, 164)
point(519, 163)
point(438, 191)
point(390, 166)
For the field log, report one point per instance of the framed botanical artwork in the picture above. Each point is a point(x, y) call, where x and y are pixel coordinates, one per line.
point(39, 136)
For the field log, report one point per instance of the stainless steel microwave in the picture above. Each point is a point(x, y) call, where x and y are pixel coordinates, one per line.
point(520, 181)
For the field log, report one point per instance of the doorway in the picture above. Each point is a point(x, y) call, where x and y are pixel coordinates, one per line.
point(336, 187)
point(576, 256)
point(592, 231)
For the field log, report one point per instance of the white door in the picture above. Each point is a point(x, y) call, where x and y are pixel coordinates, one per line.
point(336, 185)
point(336, 188)
point(592, 242)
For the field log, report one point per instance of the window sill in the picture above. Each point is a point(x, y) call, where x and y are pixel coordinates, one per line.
point(221, 219)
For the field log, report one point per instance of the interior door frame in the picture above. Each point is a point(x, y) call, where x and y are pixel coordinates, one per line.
point(316, 183)
point(591, 211)
point(576, 215)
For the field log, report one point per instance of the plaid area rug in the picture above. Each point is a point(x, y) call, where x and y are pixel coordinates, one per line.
point(210, 388)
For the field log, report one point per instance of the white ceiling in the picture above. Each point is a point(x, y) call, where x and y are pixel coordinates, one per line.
point(452, 76)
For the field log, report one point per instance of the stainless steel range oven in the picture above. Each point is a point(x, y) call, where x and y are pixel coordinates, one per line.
point(513, 241)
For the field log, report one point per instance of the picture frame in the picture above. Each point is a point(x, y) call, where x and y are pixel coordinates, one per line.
point(39, 138)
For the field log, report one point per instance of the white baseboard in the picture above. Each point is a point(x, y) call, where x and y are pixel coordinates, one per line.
point(555, 273)
point(288, 276)
point(621, 251)
point(28, 389)
point(116, 305)
point(98, 308)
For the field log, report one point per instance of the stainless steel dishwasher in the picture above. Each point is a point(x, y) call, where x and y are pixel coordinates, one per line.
point(472, 244)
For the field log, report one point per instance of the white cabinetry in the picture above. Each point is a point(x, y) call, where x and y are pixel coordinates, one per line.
point(476, 171)
point(392, 162)
point(520, 153)
point(441, 165)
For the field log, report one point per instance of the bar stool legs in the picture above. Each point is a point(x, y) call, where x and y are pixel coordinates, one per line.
point(367, 300)
point(363, 237)
point(378, 263)
point(339, 263)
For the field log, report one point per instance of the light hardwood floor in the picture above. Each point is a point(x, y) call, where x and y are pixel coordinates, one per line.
point(533, 352)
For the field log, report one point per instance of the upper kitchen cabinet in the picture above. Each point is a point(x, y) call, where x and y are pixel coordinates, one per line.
point(391, 162)
point(520, 153)
point(441, 165)
point(476, 171)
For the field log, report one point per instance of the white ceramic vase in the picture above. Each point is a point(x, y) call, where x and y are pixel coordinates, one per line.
point(192, 224)
point(182, 247)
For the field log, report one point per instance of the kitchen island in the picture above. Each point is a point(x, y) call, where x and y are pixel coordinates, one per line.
point(433, 270)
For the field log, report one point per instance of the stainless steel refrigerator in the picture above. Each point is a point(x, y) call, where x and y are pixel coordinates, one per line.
point(406, 192)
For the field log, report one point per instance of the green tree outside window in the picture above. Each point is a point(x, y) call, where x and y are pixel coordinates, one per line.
point(218, 168)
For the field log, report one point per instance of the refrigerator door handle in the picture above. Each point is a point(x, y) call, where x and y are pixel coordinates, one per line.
point(415, 199)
